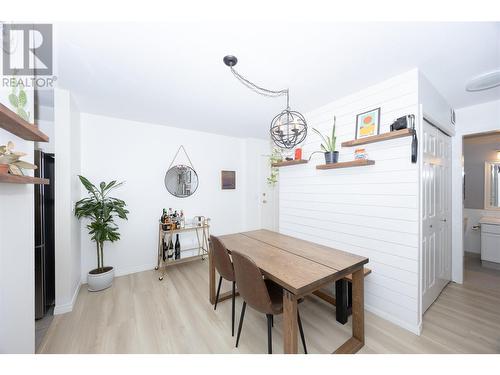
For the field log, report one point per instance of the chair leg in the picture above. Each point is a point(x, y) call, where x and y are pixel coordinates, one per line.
point(232, 316)
point(301, 333)
point(272, 321)
point(241, 322)
point(218, 291)
point(269, 334)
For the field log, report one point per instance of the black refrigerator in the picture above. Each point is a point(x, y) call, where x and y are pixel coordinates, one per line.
point(44, 235)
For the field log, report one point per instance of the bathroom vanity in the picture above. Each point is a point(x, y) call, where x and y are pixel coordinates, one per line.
point(490, 241)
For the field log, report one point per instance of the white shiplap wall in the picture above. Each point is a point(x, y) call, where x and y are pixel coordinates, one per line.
point(371, 211)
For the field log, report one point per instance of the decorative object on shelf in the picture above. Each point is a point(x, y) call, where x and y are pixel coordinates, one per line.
point(360, 153)
point(11, 158)
point(401, 123)
point(408, 122)
point(298, 153)
point(288, 128)
point(329, 144)
point(368, 123)
point(102, 210)
point(18, 100)
point(228, 180)
point(181, 180)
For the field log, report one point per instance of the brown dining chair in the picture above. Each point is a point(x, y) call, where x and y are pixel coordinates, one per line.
point(224, 267)
point(261, 294)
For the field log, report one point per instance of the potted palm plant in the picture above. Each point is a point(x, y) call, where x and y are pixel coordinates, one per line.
point(101, 210)
point(329, 144)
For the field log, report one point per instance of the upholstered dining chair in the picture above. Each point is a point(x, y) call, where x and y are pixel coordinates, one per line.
point(224, 267)
point(261, 294)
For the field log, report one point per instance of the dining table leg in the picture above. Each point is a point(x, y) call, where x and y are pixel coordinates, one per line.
point(358, 306)
point(357, 340)
point(289, 322)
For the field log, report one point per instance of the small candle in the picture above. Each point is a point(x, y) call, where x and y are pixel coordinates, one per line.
point(298, 153)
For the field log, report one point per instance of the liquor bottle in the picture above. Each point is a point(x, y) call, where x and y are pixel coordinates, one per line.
point(183, 220)
point(165, 250)
point(170, 255)
point(177, 248)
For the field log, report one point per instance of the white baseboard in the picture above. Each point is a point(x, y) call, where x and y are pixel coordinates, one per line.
point(133, 269)
point(67, 307)
point(416, 329)
point(122, 271)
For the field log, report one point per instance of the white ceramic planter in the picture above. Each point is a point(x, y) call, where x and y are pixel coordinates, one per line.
point(100, 281)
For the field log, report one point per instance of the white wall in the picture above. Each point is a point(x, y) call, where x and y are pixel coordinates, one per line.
point(17, 292)
point(139, 154)
point(371, 211)
point(17, 309)
point(67, 191)
point(436, 109)
point(470, 120)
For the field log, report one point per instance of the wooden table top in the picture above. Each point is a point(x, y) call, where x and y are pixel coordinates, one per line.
point(297, 265)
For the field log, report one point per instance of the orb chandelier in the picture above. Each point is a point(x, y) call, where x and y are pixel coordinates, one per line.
point(288, 128)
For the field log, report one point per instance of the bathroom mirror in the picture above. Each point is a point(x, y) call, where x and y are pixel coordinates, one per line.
point(181, 181)
point(492, 185)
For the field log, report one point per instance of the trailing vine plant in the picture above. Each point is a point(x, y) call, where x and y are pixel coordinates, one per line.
point(275, 157)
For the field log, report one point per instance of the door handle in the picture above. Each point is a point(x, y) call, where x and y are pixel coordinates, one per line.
point(444, 220)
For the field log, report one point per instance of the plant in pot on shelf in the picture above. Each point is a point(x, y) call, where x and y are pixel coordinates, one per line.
point(101, 210)
point(329, 144)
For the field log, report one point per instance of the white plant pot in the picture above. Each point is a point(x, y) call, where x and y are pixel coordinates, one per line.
point(100, 281)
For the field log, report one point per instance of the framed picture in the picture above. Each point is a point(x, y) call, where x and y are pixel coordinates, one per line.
point(228, 180)
point(368, 123)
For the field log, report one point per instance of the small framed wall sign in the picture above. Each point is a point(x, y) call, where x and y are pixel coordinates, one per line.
point(368, 123)
point(228, 180)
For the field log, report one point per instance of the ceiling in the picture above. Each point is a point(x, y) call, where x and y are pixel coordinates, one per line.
point(173, 74)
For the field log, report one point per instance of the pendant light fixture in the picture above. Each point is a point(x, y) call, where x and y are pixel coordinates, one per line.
point(288, 128)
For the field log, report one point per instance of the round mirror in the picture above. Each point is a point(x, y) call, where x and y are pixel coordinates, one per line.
point(181, 181)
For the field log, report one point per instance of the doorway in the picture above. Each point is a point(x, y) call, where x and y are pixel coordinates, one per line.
point(44, 244)
point(436, 213)
point(269, 197)
point(481, 208)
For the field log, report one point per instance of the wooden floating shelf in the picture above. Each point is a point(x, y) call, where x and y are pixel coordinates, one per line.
point(14, 179)
point(346, 164)
point(14, 124)
point(379, 138)
point(286, 163)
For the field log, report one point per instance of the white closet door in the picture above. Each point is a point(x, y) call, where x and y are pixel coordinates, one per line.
point(436, 215)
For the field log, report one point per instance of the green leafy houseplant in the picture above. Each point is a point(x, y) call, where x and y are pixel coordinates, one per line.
point(101, 210)
point(329, 144)
point(19, 100)
point(275, 157)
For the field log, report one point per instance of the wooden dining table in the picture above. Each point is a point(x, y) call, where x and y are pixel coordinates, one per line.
point(300, 267)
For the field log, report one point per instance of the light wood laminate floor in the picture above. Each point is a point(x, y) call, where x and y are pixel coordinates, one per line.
point(139, 314)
